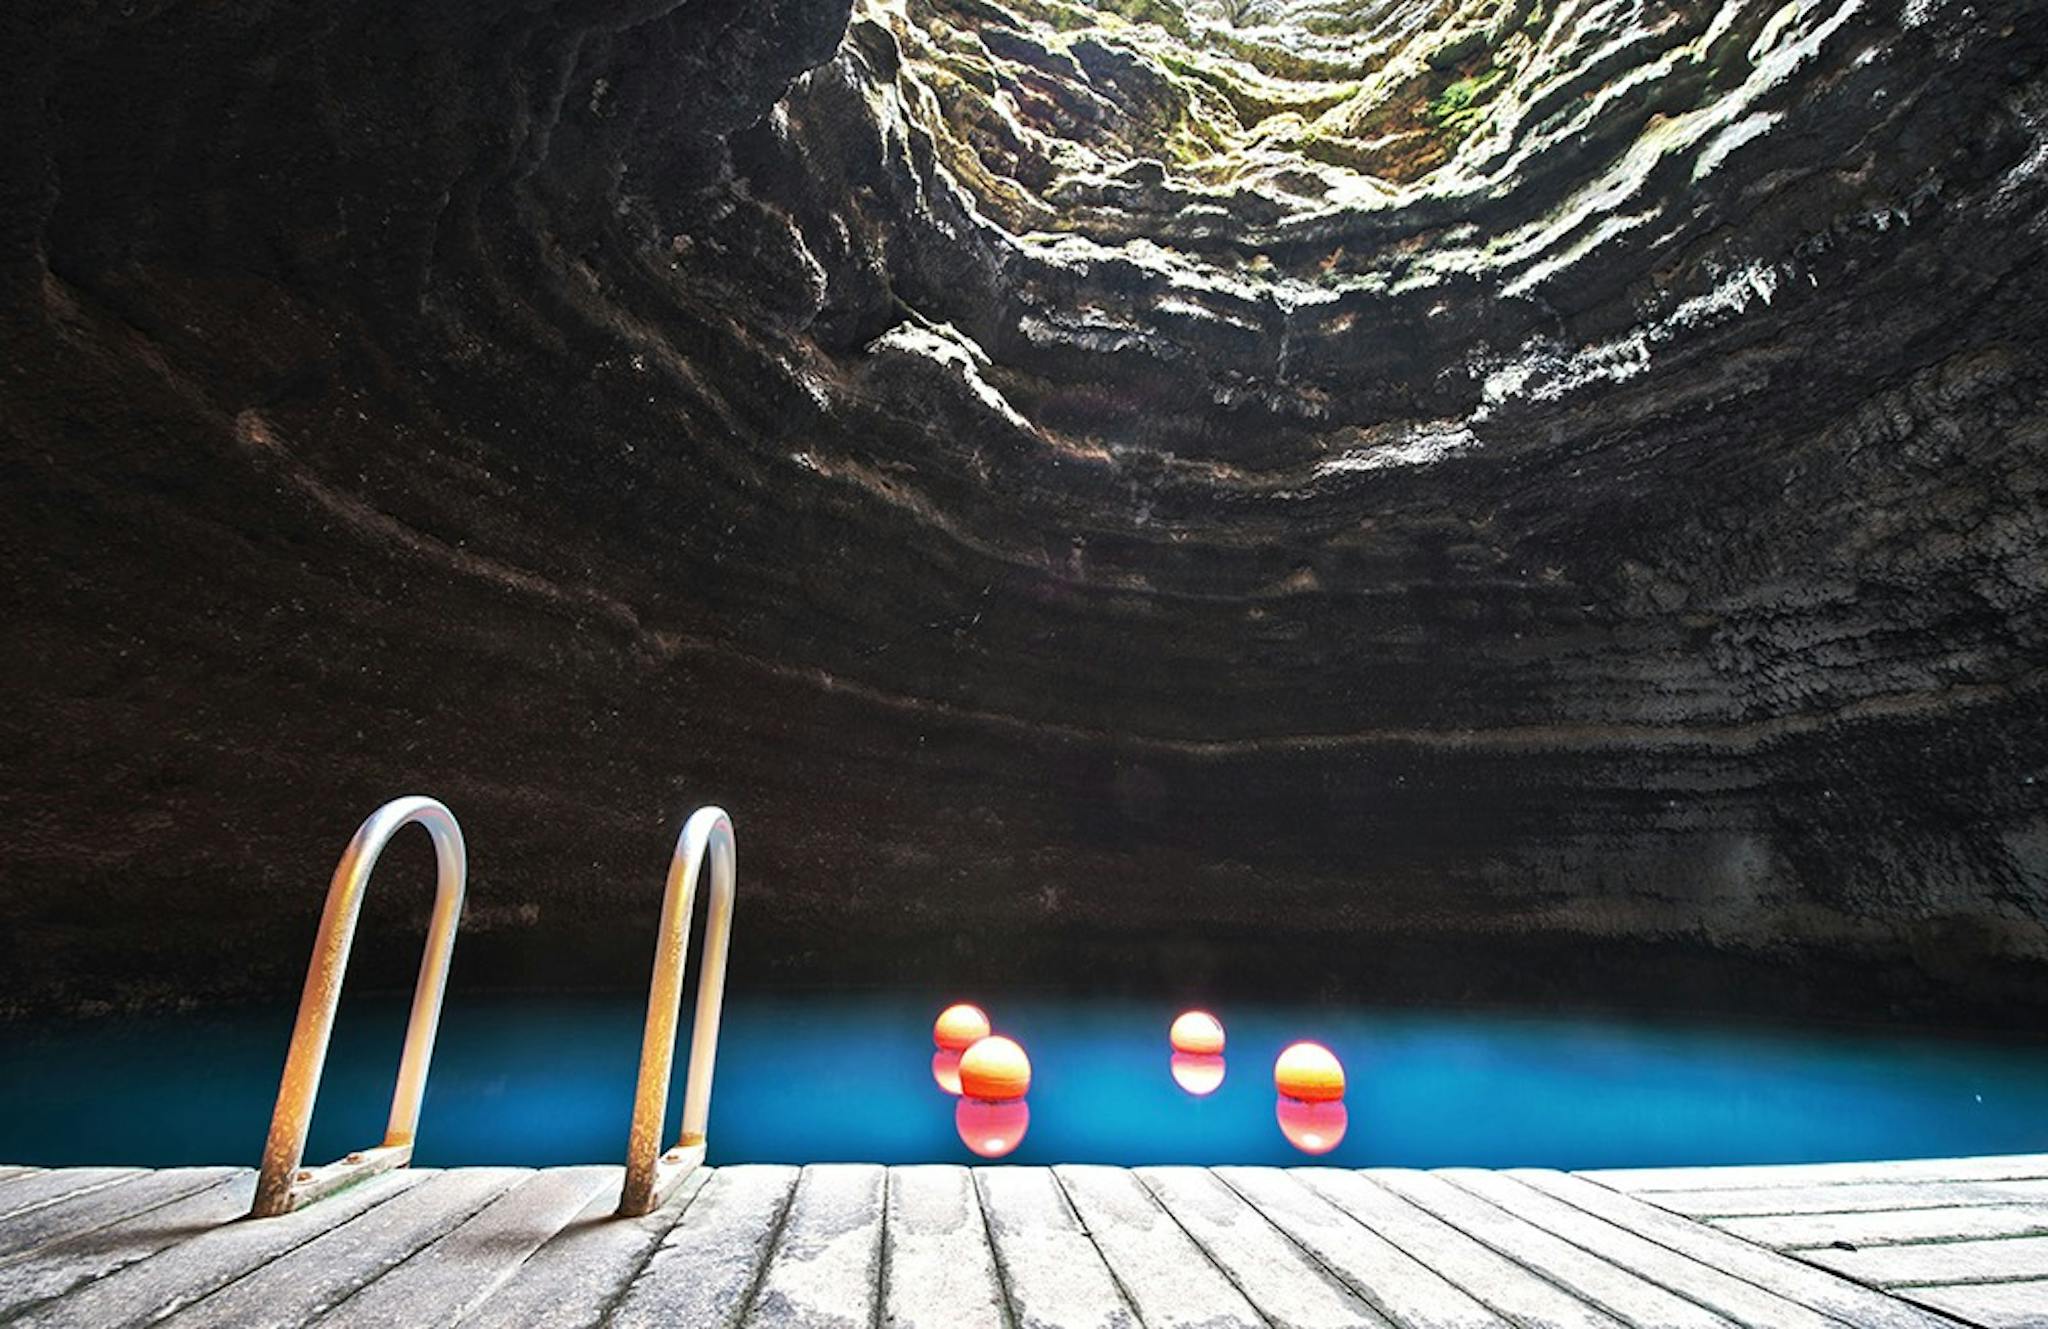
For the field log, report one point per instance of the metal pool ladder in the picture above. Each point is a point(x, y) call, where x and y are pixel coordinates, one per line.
point(282, 1185)
point(651, 1179)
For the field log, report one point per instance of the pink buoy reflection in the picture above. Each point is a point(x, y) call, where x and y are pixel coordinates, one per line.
point(946, 1071)
point(1313, 1128)
point(991, 1130)
point(1201, 1074)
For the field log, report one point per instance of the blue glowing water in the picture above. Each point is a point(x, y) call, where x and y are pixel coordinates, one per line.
point(550, 1080)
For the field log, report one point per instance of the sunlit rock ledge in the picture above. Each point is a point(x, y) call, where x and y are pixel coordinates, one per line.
point(1521, 502)
point(1331, 222)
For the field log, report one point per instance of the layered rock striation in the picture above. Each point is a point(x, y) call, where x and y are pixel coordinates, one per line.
point(1490, 499)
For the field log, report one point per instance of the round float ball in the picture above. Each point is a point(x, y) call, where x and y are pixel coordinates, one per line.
point(1198, 1032)
point(995, 1070)
point(959, 1026)
point(1313, 1128)
point(1309, 1072)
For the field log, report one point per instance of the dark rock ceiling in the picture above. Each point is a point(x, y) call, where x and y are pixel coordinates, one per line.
point(1504, 499)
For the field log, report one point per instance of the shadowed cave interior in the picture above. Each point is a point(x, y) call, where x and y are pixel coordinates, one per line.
point(1512, 501)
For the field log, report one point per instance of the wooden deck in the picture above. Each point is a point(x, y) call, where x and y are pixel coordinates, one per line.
point(1910, 1245)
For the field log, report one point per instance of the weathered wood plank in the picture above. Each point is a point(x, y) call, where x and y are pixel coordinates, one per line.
point(704, 1269)
point(56, 1269)
point(1051, 1268)
point(1169, 1281)
point(88, 1210)
point(16, 1175)
point(1735, 1298)
point(182, 1274)
point(2003, 1260)
point(1849, 1302)
point(1281, 1281)
point(438, 1286)
point(1622, 1294)
point(34, 1190)
point(940, 1247)
point(1483, 1273)
point(1884, 1227)
point(571, 1282)
point(305, 1283)
point(942, 1273)
point(826, 1269)
point(1991, 1305)
point(1993, 1167)
point(1845, 1197)
point(1400, 1287)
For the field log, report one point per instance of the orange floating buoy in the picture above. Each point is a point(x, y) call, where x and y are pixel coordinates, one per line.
point(1201, 1074)
point(991, 1129)
point(959, 1026)
point(995, 1070)
point(946, 1071)
point(1198, 1032)
point(1310, 1073)
point(1313, 1128)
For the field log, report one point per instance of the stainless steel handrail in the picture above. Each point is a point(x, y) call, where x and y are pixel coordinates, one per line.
point(651, 1179)
point(283, 1185)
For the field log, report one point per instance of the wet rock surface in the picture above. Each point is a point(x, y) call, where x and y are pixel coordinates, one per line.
point(1500, 501)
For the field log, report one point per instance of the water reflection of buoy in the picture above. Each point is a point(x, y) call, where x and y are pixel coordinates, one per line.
point(995, 1070)
point(1198, 1032)
point(1309, 1072)
point(991, 1129)
point(1199, 1073)
point(1313, 1127)
point(991, 1115)
point(946, 1070)
point(958, 1027)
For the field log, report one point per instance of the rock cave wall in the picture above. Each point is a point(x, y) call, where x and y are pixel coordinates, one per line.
point(1443, 500)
